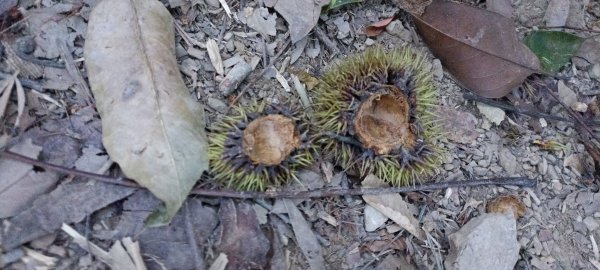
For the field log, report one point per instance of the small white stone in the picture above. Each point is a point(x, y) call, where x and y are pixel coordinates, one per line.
point(591, 223)
point(543, 122)
point(579, 107)
point(594, 72)
point(373, 218)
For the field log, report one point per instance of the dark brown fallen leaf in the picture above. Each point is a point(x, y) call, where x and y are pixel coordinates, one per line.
point(478, 47)
point(69, 203)
point(377, 28)
point(241, 238)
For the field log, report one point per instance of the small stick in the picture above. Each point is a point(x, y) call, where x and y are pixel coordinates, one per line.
point(25, 82)
point(334, 192)
point(57, 168)
point(327, 192)
point(572, 113)
point(508, 107)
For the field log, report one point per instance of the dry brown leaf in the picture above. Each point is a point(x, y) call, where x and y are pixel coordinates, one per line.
point(377, 28)
point(478, 47)
point(152, 127)
point(392, 206)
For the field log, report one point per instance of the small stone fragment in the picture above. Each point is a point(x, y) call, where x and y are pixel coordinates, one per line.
point(343, 27)
point(557, 13)
point(373, 218)
point(502, 7)
point(495, 115)
point(459, 125)
point(579, 107)
point(236, 75)
point(565, 94)
point(508, 161)
point(395, 28)
point(217, 104)
point(591, 223)
point(486, 242)
point(436, 69)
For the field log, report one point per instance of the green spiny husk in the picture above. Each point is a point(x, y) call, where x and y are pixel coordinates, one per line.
point(248, 176)
point(334, 100)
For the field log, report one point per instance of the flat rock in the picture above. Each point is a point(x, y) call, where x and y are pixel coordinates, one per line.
point(493, 114)
point(486, 242)
point(458, 125)
point(557, 13)
point(373, 219)
point(565, 94)
point(508, 161)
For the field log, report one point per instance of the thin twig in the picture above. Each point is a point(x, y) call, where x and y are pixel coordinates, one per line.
point(52, 167)
point(576, 116)
point(569, 28)
point(327, 192)
point(25, 82)
point(334, 192)
point(511, 108)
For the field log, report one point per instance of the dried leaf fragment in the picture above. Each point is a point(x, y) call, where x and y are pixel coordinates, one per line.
point(393, 206)
point(215, 56)
point(479, 48)
point(377, 28)
point(151, 125)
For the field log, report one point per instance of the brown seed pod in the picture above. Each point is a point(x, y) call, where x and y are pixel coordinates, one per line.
point(374, 113)
point(259, 146)
point(504, 204)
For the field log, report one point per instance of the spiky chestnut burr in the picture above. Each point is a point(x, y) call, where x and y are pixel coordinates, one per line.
point(259, 146)
point(375, 114)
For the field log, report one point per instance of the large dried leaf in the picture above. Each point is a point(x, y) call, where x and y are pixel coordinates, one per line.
point(151, 126)
point(478, 47)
